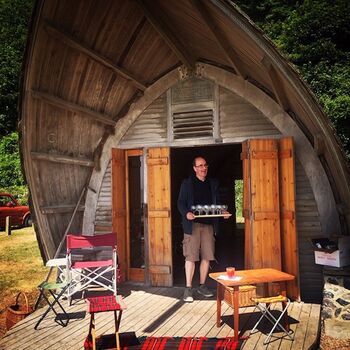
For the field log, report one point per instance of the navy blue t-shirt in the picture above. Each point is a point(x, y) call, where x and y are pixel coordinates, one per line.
point(202, 196)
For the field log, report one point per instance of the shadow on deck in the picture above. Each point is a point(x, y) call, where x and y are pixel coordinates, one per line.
point(153, 311)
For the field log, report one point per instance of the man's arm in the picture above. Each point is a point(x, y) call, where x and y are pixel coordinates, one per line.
point(183, 201)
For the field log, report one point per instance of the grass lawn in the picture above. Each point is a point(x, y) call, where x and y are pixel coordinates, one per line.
point(21, 269)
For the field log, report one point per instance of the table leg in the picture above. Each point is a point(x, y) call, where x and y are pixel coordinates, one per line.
point(116, 325)
point(219, 297)
point(92, 330)
point(283, 291)
point(236, 312)
point(266, 290)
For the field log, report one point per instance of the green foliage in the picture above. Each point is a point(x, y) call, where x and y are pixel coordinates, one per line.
point(239, 200)
point(317, 31)
point(10, 167)
point(11, 178)
point(14, 18)
point(315, 36)
point(332, 85)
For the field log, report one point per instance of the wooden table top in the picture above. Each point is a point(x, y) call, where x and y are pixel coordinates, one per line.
point(253, 276)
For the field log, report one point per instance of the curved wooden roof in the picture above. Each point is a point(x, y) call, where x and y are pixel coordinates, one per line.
point(88, 61)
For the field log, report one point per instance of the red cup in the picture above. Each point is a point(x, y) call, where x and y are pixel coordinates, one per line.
point(230, 271)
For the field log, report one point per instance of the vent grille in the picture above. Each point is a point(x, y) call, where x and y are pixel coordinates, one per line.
point(193, 124)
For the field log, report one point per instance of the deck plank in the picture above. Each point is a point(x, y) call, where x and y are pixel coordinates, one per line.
point(300, 331)
point(155, 311)
point(313, 327)
point(294, 315)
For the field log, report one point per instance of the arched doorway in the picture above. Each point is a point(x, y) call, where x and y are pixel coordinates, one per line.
point(225, 165)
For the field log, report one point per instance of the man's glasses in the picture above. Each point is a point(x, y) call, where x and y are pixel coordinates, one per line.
point(206, 166)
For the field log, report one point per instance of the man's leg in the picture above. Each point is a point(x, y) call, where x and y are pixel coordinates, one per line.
point(191, 254)
point(207, 254)
point(189, 272)
point(203, 271)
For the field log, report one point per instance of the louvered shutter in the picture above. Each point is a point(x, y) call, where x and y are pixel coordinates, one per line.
point(193, 124)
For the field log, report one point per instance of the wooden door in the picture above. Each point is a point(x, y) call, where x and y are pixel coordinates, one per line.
point(262, 198)
point(135, 216)
point(159, 217)
point(289, 238)
point(269, 207)
point(119, 207)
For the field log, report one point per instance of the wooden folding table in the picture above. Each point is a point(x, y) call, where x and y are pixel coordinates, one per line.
point(245, 277)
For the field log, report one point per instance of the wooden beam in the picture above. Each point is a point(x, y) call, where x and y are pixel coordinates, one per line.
point(276, 83)
point(160, 23)
point(222, 41)
point(57, 209)
point(319, 144)
point(62, 159)
point(74, 43)
point(60, 102)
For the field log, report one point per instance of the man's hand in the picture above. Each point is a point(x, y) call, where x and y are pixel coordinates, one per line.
point(226, 214)
point(190, 216)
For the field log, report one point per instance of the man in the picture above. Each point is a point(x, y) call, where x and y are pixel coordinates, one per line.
point(198, 232)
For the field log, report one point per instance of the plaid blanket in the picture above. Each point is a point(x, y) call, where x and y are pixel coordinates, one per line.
point(186, 343)
point(129, 341)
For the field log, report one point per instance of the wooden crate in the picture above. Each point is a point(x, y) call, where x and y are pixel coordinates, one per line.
point(246, 293)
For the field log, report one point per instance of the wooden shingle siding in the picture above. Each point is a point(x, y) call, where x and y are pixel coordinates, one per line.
point(239, 119)
point(308, 226)
point(150, 127)
point(103, 219)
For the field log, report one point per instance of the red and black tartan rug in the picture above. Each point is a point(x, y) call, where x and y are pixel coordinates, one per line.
point(129, 341)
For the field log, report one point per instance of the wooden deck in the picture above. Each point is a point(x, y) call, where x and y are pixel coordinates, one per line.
point(159, 312)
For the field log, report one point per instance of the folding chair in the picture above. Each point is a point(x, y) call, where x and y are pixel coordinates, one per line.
point(264, 306)
point(85, 269)
point(56, 290)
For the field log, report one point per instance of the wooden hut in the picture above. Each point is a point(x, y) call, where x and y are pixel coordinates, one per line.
point(118, 96)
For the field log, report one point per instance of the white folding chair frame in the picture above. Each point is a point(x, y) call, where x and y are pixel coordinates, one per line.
point(265, 309)
point(86, 277)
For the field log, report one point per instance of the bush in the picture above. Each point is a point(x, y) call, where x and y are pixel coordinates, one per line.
point(11, 177)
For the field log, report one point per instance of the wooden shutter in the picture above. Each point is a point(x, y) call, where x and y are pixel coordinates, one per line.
point(159, 217)
point(269, 207)
point(246, 205)
point(119, 207)
point(289, 239)
point(262, 196)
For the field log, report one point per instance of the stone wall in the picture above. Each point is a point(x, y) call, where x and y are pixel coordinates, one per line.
point(335, 315)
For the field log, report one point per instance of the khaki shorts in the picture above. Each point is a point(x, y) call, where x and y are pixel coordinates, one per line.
point(201, 241)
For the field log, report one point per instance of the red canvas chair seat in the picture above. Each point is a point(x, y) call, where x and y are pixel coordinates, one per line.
point(87, 264)
point(84, 269)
